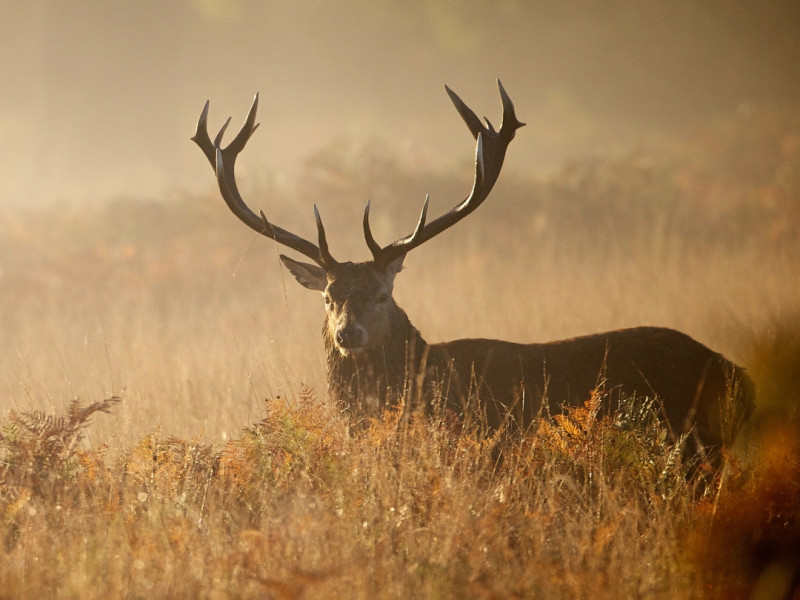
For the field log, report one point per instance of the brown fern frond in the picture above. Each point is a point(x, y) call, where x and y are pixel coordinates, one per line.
point(78, 414)
point(39, 448)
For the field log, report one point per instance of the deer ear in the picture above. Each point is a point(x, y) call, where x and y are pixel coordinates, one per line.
point(394, 267)
point(309, 276)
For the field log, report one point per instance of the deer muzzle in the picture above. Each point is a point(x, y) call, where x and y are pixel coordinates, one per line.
point(351, 338)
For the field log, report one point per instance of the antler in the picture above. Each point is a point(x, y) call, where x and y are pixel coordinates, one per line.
point(489, 154)
point(223, 161)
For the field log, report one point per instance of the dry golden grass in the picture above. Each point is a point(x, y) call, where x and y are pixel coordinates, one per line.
point(193, 486)
point(296, 508)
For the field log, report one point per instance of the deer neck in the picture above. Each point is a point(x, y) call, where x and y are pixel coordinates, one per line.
point(378, 377)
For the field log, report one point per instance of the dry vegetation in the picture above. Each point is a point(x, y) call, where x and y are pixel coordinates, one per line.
point(193, 486)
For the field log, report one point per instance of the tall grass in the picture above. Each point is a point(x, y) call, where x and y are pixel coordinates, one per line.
point(296, 508)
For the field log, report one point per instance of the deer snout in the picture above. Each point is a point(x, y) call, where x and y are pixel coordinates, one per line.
point(351, 339)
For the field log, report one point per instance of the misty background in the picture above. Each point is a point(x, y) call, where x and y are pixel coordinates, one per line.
point(99, 99)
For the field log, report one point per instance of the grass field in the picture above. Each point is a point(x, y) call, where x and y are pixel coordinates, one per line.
point(201, 459)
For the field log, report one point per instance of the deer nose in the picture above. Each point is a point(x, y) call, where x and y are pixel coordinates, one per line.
point(350, 337)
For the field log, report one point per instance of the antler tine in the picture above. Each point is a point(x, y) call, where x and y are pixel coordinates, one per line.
point(223, 161)
point(201, 138)
point(324, 254)
point(373, 246)
point(470, 118)
point(422, 216)
point(248, 128)
point(490, 151)
point(508, 109)
point(221, 132)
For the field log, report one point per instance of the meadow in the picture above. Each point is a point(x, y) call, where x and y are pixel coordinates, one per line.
point(165, 431)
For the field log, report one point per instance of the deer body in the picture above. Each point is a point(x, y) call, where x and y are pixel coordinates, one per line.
point(375, 356)
point(518, 382)
point(497, 383)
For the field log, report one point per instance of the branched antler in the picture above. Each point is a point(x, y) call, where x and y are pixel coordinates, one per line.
point(489, 155)
point(490, 152)
point(223, 161)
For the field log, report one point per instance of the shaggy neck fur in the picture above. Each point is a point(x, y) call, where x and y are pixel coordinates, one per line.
point(365, 384)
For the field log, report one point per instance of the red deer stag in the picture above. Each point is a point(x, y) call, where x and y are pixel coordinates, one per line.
point(375, 356)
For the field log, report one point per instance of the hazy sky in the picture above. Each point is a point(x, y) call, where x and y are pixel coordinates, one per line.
point(99, 98)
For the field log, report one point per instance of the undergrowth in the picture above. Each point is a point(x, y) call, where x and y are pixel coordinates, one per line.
point(297, 507)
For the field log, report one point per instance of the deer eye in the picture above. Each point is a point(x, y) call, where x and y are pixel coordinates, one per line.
point(328, 300)
point(382, 298)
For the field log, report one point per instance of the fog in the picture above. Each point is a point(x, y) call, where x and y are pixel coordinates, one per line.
point(99, 99)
